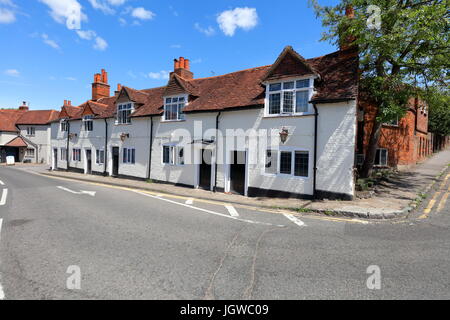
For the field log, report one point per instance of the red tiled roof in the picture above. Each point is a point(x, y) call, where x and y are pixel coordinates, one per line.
point(17, 142)
point(8, 118)
point(37, 117)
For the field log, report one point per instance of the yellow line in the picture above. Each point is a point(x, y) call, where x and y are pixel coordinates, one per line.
point(442, 203)
point(274, 211)
point(445, 181)
point(430, 206)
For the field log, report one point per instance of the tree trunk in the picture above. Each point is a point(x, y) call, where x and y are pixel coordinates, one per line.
point(369, 161)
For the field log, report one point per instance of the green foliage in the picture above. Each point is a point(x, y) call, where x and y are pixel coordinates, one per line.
point(406, 56)
point(438, 100)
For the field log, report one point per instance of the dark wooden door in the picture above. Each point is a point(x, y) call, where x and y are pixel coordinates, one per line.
point(205, 170)
point(89, 161)
point(55, 157)
point(115, 158)
point(237, 172)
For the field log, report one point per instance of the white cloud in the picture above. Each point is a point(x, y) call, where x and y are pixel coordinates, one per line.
point(49, 42)
point(122, 22)
point(159, 75)
point(230, 20)
point(62, 11)
point(142, 13)
point(86, 35)
point(207, 31)
point(100, 44)
point(102, 6)
point(12, 72)
point(7, 16)
point(70, 79)
point(175, 46)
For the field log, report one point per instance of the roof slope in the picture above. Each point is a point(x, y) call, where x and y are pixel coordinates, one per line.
point(17, 142)
point(37, 117)
point(8, 119)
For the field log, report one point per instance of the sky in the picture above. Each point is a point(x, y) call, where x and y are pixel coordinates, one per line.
point(51, 49)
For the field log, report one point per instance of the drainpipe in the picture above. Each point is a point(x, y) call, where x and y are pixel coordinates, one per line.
point(151, 148)
point(106, 149)
point(67, 147)
point(316, 116)
point(217, 151)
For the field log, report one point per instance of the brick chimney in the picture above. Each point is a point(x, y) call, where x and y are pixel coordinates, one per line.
point(24, 106)
point(67, 103)
point(119, 88)
point(100, 86)
point(183, 69)
point(348, 42)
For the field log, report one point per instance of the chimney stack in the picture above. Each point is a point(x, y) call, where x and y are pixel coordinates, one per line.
point(119, 88)
point(100, 86)
point(182, 68)
point(24, 106)
point(348, 42)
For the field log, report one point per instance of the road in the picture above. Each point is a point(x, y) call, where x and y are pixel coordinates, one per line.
point(137, 245)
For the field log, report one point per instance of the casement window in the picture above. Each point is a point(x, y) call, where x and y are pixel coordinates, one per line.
point(381, 158)
point(64, 125)
point(129, 155)
point(173, 108)
point(100, 156)
point(294, 163)
point(63, 154)
point(88, 123)
point(31, 131)
point(173, 155)
point(76, 155)
point(289, 97)
point(29, 153)
point(124, 112)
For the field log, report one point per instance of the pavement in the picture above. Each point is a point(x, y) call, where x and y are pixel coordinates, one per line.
point(140, 244)
point(394, 198)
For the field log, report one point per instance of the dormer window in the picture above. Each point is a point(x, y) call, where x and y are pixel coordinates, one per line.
point(289, 97)
point(88, 123)
point(124, 112)
point(64, 125)
point(173, 108)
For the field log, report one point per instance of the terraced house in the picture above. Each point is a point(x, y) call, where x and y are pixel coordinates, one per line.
point(286, 129)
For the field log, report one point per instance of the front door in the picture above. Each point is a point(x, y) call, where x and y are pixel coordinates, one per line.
point(237, 172)
point(205, 170)
point(55, 159)
point(88, 161)
point(115, 159)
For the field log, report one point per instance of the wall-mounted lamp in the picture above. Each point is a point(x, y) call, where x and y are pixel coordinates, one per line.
point(124, 136)
point(284, 134)
point(73, 135)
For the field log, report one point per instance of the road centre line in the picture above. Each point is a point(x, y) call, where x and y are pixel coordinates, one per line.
point(295, 220)
point(2, 183)
point(4, 196)
point(232, 211)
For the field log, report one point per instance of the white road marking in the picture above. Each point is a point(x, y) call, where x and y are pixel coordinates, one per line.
point(189, 201)
point(1, 183)
point(295, 220)
point(232, 211)
point(4, 196)
point(2, 293)
point(91, 193)
point(207, 211)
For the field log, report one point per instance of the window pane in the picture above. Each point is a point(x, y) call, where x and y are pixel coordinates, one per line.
point(180, 111)
point(302, 99)
point(275, 87)
point(286, 162)
point(181, 99)
point(288, 102)
point(125, 153)
point(166, 154)
point(301, 163)
point(303, 83)
point(271, 161)
point(274, 103)
point(384, 157)
point(377, 157)
point(168, 100)
point(133, 156)
point(288, 85)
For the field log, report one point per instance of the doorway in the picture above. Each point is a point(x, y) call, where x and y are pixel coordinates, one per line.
point(55, 159)
point(237, 172)
point(88, 161)
point(205, 169)
point(115, 160)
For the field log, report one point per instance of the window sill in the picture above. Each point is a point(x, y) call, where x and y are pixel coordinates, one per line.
point(171, 121)
point(284, 176)
point(290, 115)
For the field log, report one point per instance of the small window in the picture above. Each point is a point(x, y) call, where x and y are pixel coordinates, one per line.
point(63, 154)
point(381, 158)
point(76, 155)
point(301, 164)
point(173, 155)
point(286, 162)
point(31, 131)
point(88, 123)
point(29, 153)
point(167, 155)
point(129, 156)
point(290, 97)
point(100, 156)
point(64, 126)
point(173, 108)
point(124, 113)
point(271, 161)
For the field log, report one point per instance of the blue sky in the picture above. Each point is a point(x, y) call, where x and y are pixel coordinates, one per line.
point(45, 61)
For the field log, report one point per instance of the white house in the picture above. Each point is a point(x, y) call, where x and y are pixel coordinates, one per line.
point(287, 129)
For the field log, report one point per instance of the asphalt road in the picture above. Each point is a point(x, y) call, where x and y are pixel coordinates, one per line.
point(131, 245)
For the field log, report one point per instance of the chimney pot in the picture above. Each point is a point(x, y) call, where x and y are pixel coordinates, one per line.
point(176, 64)
point(65, 102)
point(119, 87)
point(182, 65)
point(187, 64)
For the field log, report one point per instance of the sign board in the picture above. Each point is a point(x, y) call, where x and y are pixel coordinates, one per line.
point(10, 161)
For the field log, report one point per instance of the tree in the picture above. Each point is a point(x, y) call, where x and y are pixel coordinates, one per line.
point(403, 48)
point(438, 99)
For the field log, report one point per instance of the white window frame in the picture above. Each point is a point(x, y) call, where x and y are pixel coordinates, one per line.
point(86, 121)
point(379, 160)
point(174, 155)
point(309, 89)
point(100, 156)
point(129, 157)
point(64, 125)
point(180, 116)
point(76, 155)
point(64, 154)
point(129, 106)
point(292, 151)
point(31, 131)
point(27, 155)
